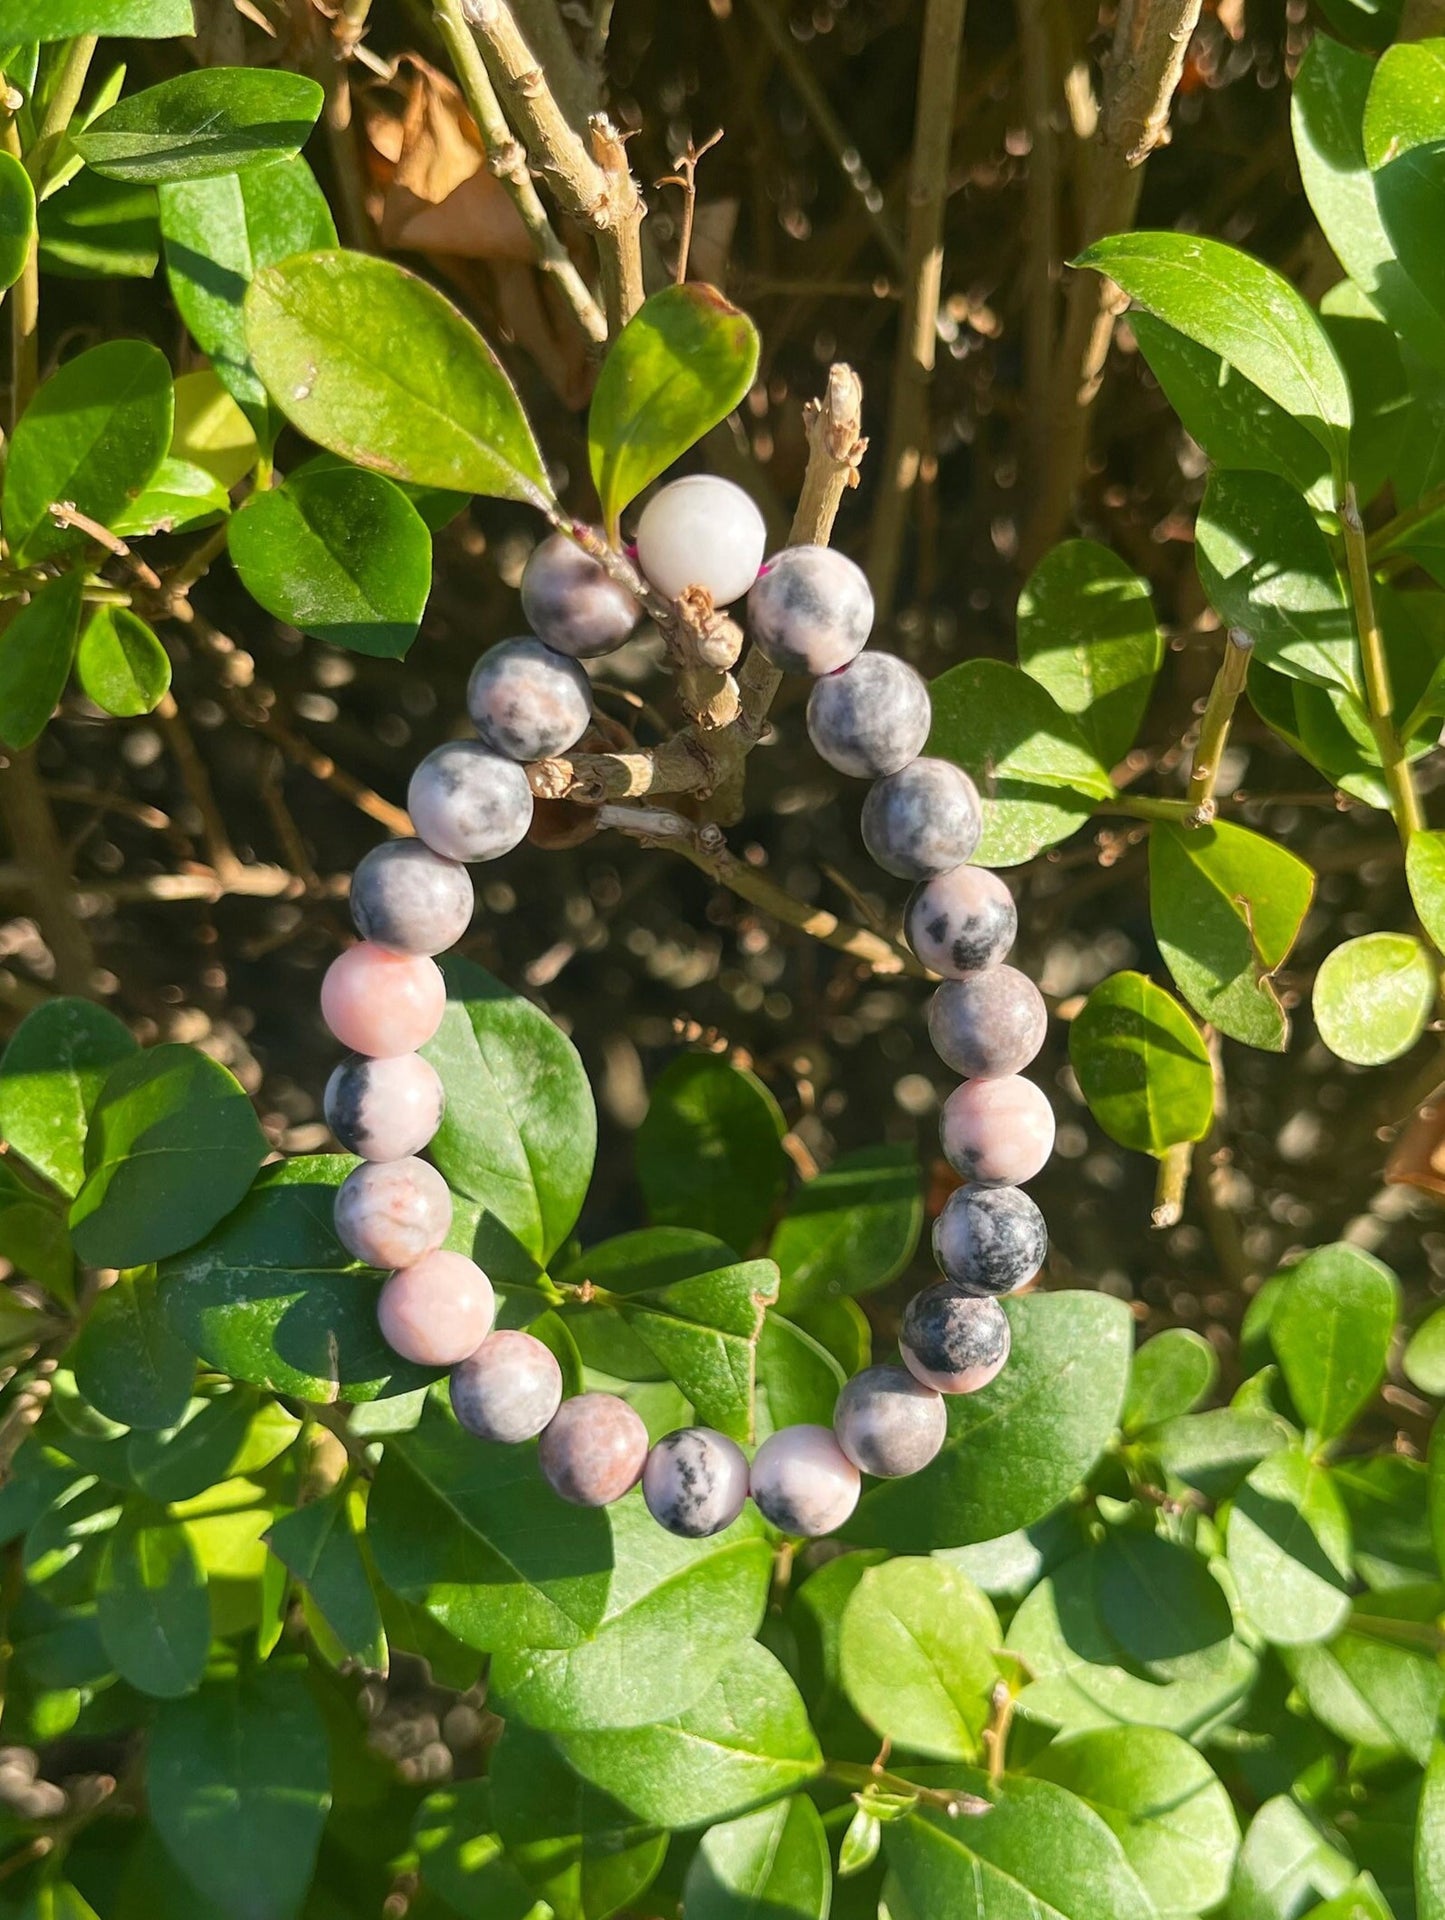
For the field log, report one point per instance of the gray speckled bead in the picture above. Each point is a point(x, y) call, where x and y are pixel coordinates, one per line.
point(997, 1133)
point(572, 604)
point(508, 1390)
point(384, 1109)
point(695, 1482)
point(527, 700)
point(389, 1213)
point(888, 1423)
point(410, 899)
point(990, 1240)
point(961, 920)
point(469, 802)
point(922, 820)
point(870, 718)
point(594, 1450)
point(988, 1024)
point(954, 1342)
point(811, 610)
point(803, 1482)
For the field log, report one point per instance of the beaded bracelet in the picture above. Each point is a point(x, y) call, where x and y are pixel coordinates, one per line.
point(809, 610)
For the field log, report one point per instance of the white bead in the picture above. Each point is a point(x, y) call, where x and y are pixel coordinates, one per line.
point(701, 532)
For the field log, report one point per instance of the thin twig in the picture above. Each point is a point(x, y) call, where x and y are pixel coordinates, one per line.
point(1151, 40)
point(938, 65)
point(1404, 799)
point(65, 513)
point(686, 178)
point(197, 780)
point(1214, 727)
point(1041, 218)
point(1170, 1186)
point(507, 160)
point(37, 845)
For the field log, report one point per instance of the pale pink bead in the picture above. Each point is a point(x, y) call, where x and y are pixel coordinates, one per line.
point(390, 1213)
point(997, 1133)
point(438, 1310)
point(594, 1450)
point(803, 1481)
point(382, 1003)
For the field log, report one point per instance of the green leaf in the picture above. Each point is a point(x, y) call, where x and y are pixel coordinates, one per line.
point(211, 431)
point(1171, 1374)
point(342, 554)
point(798, 1377)
point(684, 360)
point(120, 664)
point(1172, 1816)
point(1036, 773)
point(1289, 1550)
point(180, 499)
point(238, 1782)
point(273, 1298)
point(453, 1526)
point(1327, 110)
point(462, 1858)
point(1235, 423)
point(1266, 567)
point(1018, 1447)
point(1371, 354)
point(202, 124)
point(1285, 1865)
point(50, 1079)
point(1368, 1689)
point(151, 1604)
point(372, 363)
point(1425, 871)
point(1038, 1852)
point(1430, 1840)
point(1142, 1065)
point(676, 1613)
point(100, 230)
point(63, 19)
point(219, 233)
point(1227, 906)
point(577, 1847)
point(1386, 1499)
point(1163, 1606)
point(214, 1439)
point(318, 1544)
point(94, 436)
point(128, 1363)
point(1424, 1361)
point(17, 218)
point(1078, 1676)
point(520, 1130)
point(1408, 191)
point(1373, 997)
point(1212, 1452)
point(916, 1657)
point(36, 649)
point(852, 1228)
point(1087, 634)
point(773, 1864)
point(709, 1152)
point(745, 1741)
point(1331, 1328)
point(1246, 313)
point(1404, 108)
point(173, 1145)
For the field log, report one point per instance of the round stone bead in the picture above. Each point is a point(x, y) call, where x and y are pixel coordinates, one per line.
point(594, 1450)
point(990, 1240)
point(888, 1423)
point(468, 802)
point(382, 1003)
point(390, 1213)
point(988, 1024)
point(695, 1482)
point(804, 1482)
point(954, 1342)
point(384, 1109)
point(922, 820)
point(409, 899)
point(527, 700)
point(997, 1133)
point(870, 718)
point(812, 611)
point(961, 921)
point(507, 1390)
point(701, 532)
point(572, 603)
point(438, 1310)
